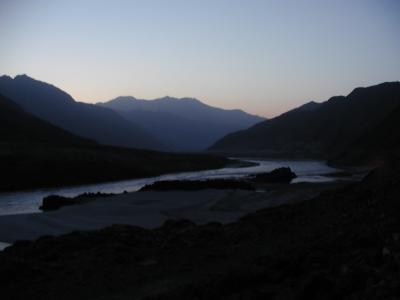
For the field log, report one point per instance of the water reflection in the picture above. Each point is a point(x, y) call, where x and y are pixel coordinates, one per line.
point(3, 246)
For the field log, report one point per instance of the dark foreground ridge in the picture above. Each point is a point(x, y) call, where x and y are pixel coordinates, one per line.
point(344, 244)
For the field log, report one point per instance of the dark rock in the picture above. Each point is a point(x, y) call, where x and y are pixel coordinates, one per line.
point(279, 175)
point(317, 287)
point(54, 202)
point(177, 225)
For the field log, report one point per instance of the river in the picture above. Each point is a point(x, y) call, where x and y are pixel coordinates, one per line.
point(29, 201)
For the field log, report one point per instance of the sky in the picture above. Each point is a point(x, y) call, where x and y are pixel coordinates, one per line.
point(264, 57)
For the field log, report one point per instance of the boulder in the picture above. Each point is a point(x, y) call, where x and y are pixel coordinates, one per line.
point(279, 175)
point(54, 202)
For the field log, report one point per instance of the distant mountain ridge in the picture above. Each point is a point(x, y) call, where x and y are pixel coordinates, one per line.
point(184, 124)
point(86, 120)
point(316, 130)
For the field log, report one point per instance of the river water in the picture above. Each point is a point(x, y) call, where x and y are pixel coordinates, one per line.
point(29, 201)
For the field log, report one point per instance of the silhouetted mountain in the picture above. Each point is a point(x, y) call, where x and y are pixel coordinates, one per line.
point(17, 126)
point(316, 130)
point(35, 153)
point(90, 121)
point(182, 124)
point(374, 146)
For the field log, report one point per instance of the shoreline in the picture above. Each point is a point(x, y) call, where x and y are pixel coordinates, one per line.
point(55, 166)
point(4, 245)
point(105, 181)
point(29, 200)
point(151, 209)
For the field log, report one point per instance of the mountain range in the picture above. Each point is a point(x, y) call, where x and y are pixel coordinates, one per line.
point(86, 120)
point(317, 130)
point(167, 123)
point(35, 153)
point(184, 124)
point(358, 127)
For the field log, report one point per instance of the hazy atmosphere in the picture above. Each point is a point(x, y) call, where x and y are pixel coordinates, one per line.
point(264, 57)
point(208, 149)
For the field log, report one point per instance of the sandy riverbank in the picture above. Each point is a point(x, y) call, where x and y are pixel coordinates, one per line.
point(152, 209)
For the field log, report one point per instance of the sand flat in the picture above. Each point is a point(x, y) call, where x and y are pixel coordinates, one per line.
point(150, 210)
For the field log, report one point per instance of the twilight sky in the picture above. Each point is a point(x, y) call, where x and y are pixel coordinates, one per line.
point(261, 56)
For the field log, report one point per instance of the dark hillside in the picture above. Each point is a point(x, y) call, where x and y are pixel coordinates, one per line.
point(323, 131)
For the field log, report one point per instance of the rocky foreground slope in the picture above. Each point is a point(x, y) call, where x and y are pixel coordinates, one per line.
point(344, 244)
